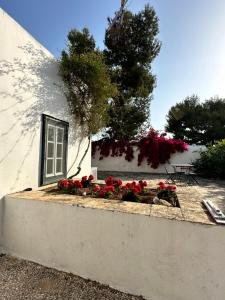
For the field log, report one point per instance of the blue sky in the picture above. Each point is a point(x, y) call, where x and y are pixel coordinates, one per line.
point(192, 58)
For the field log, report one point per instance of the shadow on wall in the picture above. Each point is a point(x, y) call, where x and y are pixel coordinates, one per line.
point(36, 89)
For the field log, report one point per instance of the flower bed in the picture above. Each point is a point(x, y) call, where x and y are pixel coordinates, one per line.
point(115, 189)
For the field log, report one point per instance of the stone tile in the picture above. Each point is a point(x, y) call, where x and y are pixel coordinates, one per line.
point(98, 204)
point(114, 205)
point(197, 216)
point(175, 213)
point(134, 208)
point(191, 205)
point(159, 211)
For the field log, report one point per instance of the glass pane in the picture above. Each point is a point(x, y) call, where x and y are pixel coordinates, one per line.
point(50, 150)
point(60, 135)
point(59, 150)
point(51, 133)
point(58, 166)
point(49, 166)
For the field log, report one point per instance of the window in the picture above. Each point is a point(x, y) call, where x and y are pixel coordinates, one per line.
point(54, 149)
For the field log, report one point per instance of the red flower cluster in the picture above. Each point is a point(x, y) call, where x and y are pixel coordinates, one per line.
point(109, 188)
point(143, 184)
point(90, 178)
point(112, 181)
point(155, 148)
point(116, 148)
point(63, 183)
point(77, 184)
point(132, 187)
point(168, 187)
point(69, 184)
point(96, 188)
point(105, 191)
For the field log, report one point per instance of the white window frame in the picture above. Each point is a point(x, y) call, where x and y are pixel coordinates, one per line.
point(55, 157)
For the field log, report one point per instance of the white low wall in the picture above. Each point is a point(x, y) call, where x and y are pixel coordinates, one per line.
point(121, 165)
point(158, 258)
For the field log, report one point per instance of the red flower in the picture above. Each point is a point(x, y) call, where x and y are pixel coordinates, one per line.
point(77, 184)
point(119, 182)
point(101, 193)
point(143, 183)
point(91, 177)
point(109, 188)
point(63, 183)
point(84, 178)
point(70, 185)
point(109, 180)
point(137, 189)
point(128, 185)
point(96, 188)
point(171, 187)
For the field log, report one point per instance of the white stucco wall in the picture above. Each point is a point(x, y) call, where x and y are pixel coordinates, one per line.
point(29, 86)
point(121, 165)
point(158, 258)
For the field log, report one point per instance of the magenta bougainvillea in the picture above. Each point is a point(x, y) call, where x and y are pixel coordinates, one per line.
point(155, 148)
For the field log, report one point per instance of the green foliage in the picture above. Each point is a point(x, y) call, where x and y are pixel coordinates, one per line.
point(212, 161)
point(131, 197)
point(87, 81)
point(196, 122)
point(129, 54)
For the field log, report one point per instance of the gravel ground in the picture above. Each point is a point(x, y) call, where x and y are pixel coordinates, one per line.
point(20, 280)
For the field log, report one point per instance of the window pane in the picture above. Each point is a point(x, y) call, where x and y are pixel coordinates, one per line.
point(59, 150)
point(51, 133)
point(58, 166)
point(49, 166)
point(60, 135)
point(50, 150)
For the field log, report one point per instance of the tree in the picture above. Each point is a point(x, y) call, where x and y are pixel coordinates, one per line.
point(196, 122)
point(212, 161)
point(129, 53)
point(87, 82)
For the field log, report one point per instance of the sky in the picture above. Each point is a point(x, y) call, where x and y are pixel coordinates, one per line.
point(192, 32)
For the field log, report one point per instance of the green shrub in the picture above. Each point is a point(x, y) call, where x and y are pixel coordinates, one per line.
point(211, 164)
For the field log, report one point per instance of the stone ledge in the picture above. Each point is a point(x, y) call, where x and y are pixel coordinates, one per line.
point(190, 210)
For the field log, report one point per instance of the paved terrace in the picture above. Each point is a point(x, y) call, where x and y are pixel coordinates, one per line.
point(190, 198)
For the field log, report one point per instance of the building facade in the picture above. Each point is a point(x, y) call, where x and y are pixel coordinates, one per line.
point(39, 139)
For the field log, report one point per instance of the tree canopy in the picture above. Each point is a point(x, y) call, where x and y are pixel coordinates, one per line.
point(197, 122)
point(129, 53)
point(87, 80)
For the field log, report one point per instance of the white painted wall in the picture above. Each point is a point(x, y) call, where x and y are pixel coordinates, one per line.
point(121, 165)
point(158, 258)
point(29, 86)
